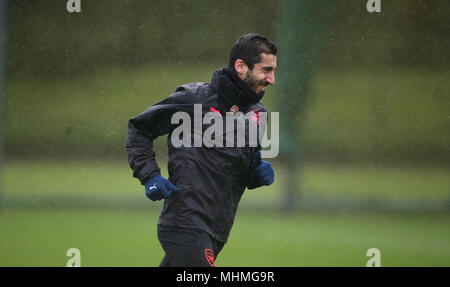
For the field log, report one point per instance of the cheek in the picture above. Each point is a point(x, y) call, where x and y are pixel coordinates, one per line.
point(259, 77)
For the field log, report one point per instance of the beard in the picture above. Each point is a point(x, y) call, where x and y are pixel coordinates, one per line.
point(252, 82)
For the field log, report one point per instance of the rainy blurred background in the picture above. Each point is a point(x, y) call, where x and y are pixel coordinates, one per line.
point(364, 109)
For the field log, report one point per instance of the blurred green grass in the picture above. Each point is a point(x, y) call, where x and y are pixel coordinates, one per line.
point(40, 237)
point(125, 235)
point(112, 179)
point(86, 114)
point(396, 115)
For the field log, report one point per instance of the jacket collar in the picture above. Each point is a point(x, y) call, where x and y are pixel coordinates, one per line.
point(232, 91)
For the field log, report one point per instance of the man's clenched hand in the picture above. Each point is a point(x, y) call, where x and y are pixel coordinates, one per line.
point(158, 188)
point(263, 170)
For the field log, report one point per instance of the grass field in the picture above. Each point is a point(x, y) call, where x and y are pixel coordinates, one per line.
point(112, 178)
point(128, 238)
point(123, 233)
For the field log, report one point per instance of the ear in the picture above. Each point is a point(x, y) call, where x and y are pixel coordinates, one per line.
point(241, 67)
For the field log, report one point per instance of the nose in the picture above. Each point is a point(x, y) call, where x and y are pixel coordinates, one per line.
point(270, 79)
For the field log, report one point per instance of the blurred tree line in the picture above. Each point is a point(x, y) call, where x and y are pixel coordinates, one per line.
point(47, 40)
point(44, 39)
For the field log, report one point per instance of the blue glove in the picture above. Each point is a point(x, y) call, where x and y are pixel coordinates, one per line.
point(158, 188)
point(263, 170)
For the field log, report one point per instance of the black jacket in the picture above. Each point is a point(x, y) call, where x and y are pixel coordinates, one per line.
point(212, 180)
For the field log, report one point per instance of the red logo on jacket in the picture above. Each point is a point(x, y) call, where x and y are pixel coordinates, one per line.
point(212, 109)
point(209, 255)
point(234, 109)
point(254, 116)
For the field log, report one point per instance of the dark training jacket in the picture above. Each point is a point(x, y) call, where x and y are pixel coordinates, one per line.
point(212, 180)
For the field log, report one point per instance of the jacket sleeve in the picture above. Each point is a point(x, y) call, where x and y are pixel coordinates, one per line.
point(253, 181)
point(145, 128)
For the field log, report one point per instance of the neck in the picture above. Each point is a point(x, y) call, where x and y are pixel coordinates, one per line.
point(232, 90)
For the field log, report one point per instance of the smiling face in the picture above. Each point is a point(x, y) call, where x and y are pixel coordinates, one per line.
point(262, 74)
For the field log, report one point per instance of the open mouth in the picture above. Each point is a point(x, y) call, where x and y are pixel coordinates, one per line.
point(259, 87)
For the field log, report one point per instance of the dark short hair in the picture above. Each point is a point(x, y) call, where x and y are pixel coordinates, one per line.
point(249, 48)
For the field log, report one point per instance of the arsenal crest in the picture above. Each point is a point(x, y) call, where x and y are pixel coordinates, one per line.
point(234, 109)
point(209, 257)
point(254, 116)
